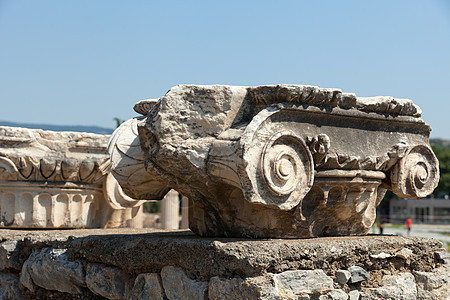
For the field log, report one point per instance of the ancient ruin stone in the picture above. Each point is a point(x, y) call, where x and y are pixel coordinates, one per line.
point(9, 256)
point(178, 286)
point(44, 266)
point(147, 286)
point(235, 288)
point(444, 256)
point(401, 286)
point(358, 274)
point(335, 294)
point(9, 287)
point(275, 161)
point(353, 295)
point(221, 268)
point(109, 282)
point(342, 276)
point(433, 285)
point(58, 180)
point(405, 253)
point(291, 283)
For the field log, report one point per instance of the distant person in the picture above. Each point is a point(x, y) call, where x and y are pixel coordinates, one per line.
point(381, 227)
point(408, 225)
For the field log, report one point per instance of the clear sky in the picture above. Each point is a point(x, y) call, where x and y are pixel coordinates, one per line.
point(85, 62)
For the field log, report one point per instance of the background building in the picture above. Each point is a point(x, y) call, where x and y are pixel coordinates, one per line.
point(427, 211)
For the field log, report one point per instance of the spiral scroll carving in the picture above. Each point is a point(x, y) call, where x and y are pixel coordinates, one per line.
point(286, 165)
point(417, 174)
point(280, 169)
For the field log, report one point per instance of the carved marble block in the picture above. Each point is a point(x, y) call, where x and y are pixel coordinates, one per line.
point(58, 180)
point(275, 161)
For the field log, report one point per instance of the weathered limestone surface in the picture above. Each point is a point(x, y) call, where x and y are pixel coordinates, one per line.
point(180, 287)
point(222, 289)
point(275, 161)
point(9, 286)
point(109, 282)
point(401, 286)
point(50, 269)
point(292, 283)
point(140, 264)
point(434, 285)
point(58, 180)
point(358, 274)
point(343, 276)
point(147, 286)
point(8, 256)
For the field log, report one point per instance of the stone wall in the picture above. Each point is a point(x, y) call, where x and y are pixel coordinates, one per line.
point(140, 264)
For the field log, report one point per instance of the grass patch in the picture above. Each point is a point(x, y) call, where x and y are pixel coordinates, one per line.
point(393, 225)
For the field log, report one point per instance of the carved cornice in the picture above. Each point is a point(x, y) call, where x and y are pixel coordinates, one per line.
point(38, 155)
point(52, 169)
point(312, 95)
point(59, 180)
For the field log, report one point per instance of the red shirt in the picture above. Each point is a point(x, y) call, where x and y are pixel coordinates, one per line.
point(408, 222)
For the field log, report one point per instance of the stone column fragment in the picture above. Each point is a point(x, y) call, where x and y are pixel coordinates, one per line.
point(59, 180)
point(170, 211)
point(276, 160)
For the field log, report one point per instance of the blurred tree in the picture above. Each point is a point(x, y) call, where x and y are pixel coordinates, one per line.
point(443, 155)
point(152, 207)
point(118, 121)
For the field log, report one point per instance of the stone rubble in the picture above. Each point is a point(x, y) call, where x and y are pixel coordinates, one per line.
point(292, 283)
point(343, 276)
point(334, 295)
point(9, 256)
point(147, 286)
point(358, 274)
point(10, 287)
point(46, 265)
point(353, 295)
point(433, 285)
point(381, 255)
point(109, 282)
point(398, 287)
point(178, 286)
point(223, 289)
point(444, 255)
point(405, 253)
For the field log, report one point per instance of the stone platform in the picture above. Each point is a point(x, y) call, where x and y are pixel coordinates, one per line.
point(143, 264)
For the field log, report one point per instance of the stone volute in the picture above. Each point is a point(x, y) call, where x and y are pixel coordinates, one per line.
point(275, 161)
point(59, 180)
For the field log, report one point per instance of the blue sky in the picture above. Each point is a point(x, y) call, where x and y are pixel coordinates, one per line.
point(86, 62)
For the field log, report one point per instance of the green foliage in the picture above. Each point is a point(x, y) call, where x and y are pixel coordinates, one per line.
point(383, 208)
point(152, 207)
point(443, 155)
